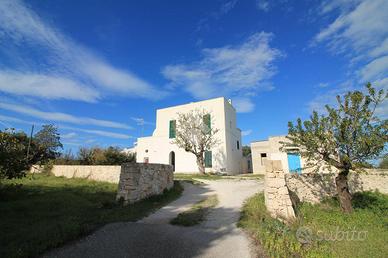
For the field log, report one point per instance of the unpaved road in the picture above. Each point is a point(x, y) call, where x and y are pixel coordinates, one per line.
point(153, 237)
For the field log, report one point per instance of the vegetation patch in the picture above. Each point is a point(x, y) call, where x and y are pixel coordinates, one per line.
point(40, 212)
point(192, 177)
point(322, 230)
point(197, 213)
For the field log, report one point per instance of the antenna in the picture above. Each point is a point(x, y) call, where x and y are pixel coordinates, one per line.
point(29, 141)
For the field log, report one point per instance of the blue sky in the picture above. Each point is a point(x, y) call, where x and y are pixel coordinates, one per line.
point(100, 69)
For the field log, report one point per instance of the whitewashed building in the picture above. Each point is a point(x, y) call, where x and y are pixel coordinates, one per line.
point(225, 157)
point(270, 149)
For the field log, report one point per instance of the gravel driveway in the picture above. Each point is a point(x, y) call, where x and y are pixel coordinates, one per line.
point(153, 237)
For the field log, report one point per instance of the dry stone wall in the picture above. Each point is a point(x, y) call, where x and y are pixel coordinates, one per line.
point(109, 174)
point(277, 198)
point(141, 180)
point(312, 187)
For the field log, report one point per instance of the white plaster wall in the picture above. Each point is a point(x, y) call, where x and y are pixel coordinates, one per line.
point(159, 145)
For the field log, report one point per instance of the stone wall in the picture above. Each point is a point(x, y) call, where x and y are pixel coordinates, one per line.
point(109, 174)
point(315, 187)
point(277, 198)
point(140, 180)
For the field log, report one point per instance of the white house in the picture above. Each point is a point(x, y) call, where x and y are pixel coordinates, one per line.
point(270, 149)
point(225, 157)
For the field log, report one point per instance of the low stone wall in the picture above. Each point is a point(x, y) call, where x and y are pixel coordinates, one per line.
point(140, 180)
point(109, 174)
point(277, 198)
point(315, 187)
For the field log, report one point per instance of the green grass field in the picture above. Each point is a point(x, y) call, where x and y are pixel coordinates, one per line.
point(41, 212)
point(329, 232)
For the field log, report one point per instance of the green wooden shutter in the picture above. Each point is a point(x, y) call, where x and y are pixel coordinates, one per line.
point(208, 159)
point(172, 129)
point(207, 121)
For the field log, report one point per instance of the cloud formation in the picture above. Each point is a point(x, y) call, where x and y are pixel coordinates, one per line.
point(359, 32)
point(61, 117)
point(67, 70)
point(238, 71)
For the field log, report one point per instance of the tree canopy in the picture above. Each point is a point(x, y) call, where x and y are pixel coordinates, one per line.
point(345, 138)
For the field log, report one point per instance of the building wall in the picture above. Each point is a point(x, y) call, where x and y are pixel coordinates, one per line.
point(271, 148)
point(225, 157)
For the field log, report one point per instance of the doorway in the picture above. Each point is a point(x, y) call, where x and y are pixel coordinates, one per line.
point(172, 160)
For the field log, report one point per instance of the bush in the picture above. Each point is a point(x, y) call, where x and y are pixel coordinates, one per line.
point(96, 156)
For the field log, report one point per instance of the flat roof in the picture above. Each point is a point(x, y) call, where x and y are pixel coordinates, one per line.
point(196, 102)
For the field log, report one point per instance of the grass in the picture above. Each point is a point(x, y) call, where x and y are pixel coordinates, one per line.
point(196, 214)
point(42, 212)
point(193, 177)
point(330, 231)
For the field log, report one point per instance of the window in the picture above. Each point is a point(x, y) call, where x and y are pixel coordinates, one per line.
point(238, 145)
point(207, 121)
point(263, 157)
point(208, 159)
point(172, 129)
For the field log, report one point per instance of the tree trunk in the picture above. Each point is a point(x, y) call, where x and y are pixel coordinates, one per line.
point(201, 164)
point(344, 196)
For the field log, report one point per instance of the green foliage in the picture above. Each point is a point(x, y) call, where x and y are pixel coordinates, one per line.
point(14, 147)
point(349, 135)
point(197, 213)
point(384, 162)
point(47, 144)
point(13, 150)
point(39, 212)
point(280, 240)
point(96, 156)
point(246, 150)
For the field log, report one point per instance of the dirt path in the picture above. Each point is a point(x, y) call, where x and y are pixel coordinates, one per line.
point(218, 236)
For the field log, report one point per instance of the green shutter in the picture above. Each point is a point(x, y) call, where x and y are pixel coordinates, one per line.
point(207, 121)
point(208, 159)
point(172, 129)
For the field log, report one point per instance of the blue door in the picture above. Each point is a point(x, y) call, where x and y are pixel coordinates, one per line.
point(294, 163)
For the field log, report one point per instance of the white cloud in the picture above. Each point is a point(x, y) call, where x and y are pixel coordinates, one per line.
point(230, 70)
point(263, 5)
point(69, 135)
point(360, 32)
point(104, 133)
point(243, 105)
point(377, 68)
point(76, 68)
point(246, 132)
point(50, 87)
point(61, 117)
point(141, 121)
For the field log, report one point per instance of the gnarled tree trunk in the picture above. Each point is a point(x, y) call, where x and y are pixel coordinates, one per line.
point(344, 196)
point(201, 164)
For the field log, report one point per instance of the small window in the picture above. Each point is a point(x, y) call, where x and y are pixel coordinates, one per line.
point(238, 145)
point(208, 159)
point(207, 122)
point(172, 132)
point(263, 157)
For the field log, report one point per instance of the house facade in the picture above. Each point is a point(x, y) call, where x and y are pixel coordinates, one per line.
point(270, 149)
point(225, 157)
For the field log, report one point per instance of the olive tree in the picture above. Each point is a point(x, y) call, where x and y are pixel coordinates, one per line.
point(347, 136)
point(194, 133)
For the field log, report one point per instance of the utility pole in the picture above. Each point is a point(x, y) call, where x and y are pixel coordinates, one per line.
point(29, 141)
